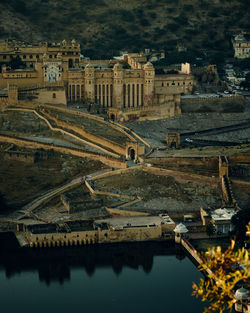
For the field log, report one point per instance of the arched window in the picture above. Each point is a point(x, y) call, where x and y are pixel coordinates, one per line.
point(54, 95)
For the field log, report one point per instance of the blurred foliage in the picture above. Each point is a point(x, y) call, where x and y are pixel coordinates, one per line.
point(227, 270)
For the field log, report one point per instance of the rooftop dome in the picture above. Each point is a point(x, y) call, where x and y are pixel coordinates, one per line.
point(241, 294)
point(181, 229)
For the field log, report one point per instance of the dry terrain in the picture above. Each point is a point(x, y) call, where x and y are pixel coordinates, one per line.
point(22, 182)
point(162, 192)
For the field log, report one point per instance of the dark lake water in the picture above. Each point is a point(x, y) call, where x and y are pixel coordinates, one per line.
point(124, 278)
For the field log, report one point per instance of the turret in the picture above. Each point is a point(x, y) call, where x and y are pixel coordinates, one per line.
point(149, 77)
point(89, 83)
point(118, 85)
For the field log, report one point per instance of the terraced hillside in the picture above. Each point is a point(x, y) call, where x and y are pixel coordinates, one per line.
point(104, 27)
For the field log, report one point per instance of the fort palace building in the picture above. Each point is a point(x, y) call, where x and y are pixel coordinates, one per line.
point(241, 44)
point(57, 73)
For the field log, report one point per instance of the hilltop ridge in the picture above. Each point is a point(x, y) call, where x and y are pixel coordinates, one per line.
point(104, 27)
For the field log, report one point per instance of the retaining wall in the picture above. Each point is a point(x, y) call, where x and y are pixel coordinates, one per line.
point(35, 145)
point(96, 139)
point(181, 176)
point(207, 162)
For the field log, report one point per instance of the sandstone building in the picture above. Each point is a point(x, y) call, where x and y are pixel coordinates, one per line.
point(128, 87)
point(241, 44)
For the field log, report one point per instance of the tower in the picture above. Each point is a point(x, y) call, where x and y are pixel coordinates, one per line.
point(118, 85)
point(148, 90)
point(89, 82)
point(12, 94)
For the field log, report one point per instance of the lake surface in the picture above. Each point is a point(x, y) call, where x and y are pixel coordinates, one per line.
point(124, 278)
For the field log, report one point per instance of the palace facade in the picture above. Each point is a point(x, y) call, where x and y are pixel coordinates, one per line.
point(125, 83)
point(241, 44)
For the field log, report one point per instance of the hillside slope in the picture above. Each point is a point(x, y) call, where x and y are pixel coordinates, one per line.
point(103, 27)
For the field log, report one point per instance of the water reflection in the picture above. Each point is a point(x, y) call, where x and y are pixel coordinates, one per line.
point(56, 264)
point(125, 278)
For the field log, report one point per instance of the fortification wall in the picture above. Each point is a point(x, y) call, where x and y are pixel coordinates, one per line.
point(4, 101)
point(18, 156)
point(96, 139)
point(219, 104)
point(63, 131)
point(182, 177)
point(234, 159)
point(94, 236)
point(35, 145)
point(149, 112)
point(207, 162)
point(53, 96)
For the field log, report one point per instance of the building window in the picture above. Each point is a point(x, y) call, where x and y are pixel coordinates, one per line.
point(54, 95)
point(50, 56)
point(4, 57)
point(31, 56)
point(37, 56)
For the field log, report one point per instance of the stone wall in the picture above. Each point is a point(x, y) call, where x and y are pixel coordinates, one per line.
point(145, 113)
point(220, 104)
point(94, 236)
point(35, 145)
point(95, 139)
point(182, 176)
point(18, 156)
point(54, 96)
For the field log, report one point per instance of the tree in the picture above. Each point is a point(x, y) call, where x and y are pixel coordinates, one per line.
point(210, 229)
point(16, 63)
point(239, 220)
point(3, 205)
point(227, 269)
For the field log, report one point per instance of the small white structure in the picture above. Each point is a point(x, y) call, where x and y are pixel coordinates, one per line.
point(241, 295)
point(180, 230)
point(221, 219)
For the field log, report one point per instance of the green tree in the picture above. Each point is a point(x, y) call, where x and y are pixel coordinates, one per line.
point(16, 63)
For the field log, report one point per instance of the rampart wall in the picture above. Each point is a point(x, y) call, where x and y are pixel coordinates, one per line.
point(18, 156)
point(181, 176)
point(206, 162)
point(94, 236)
point(96, 139)
point(200, 104)
point(35, 145)
point(64, 132)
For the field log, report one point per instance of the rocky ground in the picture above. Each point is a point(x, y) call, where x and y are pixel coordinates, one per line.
point(161, 193)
